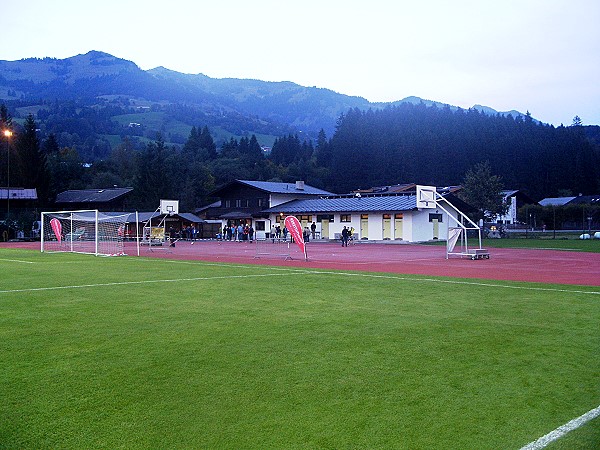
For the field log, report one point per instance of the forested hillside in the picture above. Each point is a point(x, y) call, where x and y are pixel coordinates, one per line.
point(93, 101)
point(95, 120)
point(398, 144)
point(437, 145)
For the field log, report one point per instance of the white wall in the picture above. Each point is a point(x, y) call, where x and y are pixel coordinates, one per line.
point(416, 225)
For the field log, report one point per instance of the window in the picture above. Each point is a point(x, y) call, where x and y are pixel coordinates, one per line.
point(260, 225)
point(387, 216)
point(399, 216)
point(238, 203)
point(364, 216)
point(322, 217)
point(305, 218)
point(227, 203)
point(261, 202)
point(437, 217)
point(345, 217)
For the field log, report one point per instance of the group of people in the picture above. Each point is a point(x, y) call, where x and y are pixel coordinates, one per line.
point(189, 233)
point(277, 232)
point(237, 233)
point(347, 236)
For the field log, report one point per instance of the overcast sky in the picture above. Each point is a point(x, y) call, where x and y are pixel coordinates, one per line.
point(541, 56)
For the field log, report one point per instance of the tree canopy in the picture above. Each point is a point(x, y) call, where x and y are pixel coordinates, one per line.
point(405, 143)
point(483, 190)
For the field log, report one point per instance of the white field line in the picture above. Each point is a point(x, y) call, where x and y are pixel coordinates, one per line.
point(562, 430)
point(468, 283)
point(285, 271)
point(389, 277)
point(17, 261)
point(126, 283)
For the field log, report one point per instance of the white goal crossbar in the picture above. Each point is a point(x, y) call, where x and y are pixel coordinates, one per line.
point(83, 231)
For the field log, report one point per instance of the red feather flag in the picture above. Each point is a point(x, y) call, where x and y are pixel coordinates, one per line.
point(295, 228)
point(57, 228)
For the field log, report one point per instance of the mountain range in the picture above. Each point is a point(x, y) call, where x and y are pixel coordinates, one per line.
point(264, 108)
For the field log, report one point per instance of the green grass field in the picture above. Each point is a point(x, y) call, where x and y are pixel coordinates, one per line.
point(562, 242)
point(151, 353)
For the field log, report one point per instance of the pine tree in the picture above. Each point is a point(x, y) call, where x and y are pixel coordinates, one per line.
point(50, 145)
point(6, 147)
point(32, 170)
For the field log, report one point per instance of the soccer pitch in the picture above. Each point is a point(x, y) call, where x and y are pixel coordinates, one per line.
point(152, 353)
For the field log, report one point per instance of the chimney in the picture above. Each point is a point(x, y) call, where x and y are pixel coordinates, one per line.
point(300, 185)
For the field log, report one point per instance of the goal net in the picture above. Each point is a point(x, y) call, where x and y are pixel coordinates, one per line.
point(87, 231)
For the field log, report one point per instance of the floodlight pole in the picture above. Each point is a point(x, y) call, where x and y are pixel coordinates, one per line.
point(8, 134)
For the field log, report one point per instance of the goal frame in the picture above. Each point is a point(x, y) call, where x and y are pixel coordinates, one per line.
point(78, 231)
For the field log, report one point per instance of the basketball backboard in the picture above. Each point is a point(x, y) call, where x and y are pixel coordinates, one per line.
point(426, 197)
point(169, 207)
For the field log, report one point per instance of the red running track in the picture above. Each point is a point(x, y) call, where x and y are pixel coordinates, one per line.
point(531, 265)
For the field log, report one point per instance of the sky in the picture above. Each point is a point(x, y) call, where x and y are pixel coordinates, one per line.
point(541, 56)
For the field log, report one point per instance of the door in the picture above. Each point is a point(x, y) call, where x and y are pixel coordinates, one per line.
point(398, 226)
point(387, 226)
point(436, 229)
point(364, 226)
point(325, 229)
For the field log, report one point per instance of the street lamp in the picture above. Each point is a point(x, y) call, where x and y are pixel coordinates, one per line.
point(8, 134)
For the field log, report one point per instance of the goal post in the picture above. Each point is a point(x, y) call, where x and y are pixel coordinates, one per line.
point(83, 231)
point(427, 197)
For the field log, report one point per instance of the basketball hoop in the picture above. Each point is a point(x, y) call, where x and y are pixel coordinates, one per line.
point(169, 207)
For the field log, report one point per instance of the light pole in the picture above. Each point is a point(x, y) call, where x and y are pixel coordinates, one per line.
point(8, 134)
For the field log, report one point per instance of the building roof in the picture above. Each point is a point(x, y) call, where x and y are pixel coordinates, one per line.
point(272, 187)
point(143, 216)
point(389, 189)
point(216, 204)
point(586, 200)
point(190, 217)
point(18, 194)
point(348, 204)
point(157, 217)
point(555, 201)
point(92, 195)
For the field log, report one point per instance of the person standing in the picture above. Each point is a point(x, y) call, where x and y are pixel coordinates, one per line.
point(313, 230)
point(345, 237)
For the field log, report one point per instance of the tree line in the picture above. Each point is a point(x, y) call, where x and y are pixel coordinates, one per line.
point(437, 146)
point(397, 144)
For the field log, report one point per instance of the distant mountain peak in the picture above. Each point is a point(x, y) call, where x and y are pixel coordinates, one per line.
point(97, 73)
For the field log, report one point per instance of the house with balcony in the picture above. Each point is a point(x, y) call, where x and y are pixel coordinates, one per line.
point(244, 202)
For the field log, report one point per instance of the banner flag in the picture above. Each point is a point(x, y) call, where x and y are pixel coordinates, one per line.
point(295, 228)
point(453, 234)
point(57, 228)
